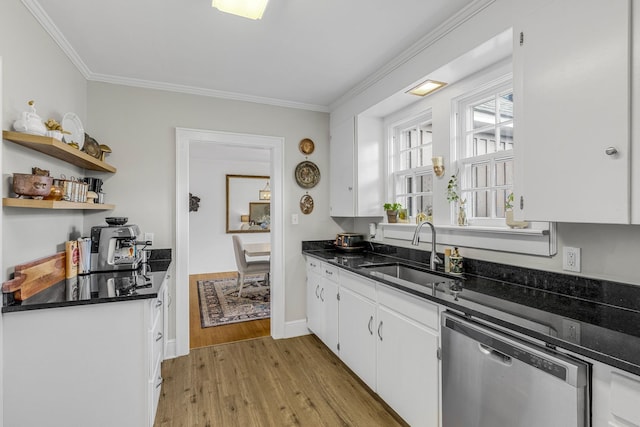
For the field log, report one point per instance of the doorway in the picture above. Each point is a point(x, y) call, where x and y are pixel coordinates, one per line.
point(186, 140)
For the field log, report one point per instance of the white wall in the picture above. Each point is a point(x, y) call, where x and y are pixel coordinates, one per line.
point(139, 125)
point(35, 68)
point(210, 247)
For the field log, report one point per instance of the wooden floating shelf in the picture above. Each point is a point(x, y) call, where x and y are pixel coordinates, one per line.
point(58, 149)
point(53, 204)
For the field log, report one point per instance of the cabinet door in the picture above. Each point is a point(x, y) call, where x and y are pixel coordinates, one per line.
point(329, 298)
point(315, 314)
point(342, 171)
point(571, 94)
point(357, 335)
point(615, 397)
point(407, 373)
point(368, 178)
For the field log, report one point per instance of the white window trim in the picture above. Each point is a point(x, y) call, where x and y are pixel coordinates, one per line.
point(530, 241)
point(459, 107)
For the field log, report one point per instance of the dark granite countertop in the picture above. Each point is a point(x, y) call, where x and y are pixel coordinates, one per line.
point(595, 318)
point(98, 288)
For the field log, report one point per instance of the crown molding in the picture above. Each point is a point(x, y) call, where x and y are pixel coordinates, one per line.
point(425, 42)
point(449, 25)
point(41, 16)
point(192, 90)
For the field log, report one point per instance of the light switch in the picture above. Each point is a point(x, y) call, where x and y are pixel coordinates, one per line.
point(294, 219)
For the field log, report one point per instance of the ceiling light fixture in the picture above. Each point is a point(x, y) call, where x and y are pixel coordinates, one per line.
point(426, 87)
point(252, 9)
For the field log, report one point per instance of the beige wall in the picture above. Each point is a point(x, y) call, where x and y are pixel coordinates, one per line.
point(139, 125)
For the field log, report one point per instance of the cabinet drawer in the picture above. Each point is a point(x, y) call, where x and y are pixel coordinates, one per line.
point(330, 272)
point(157, 309)
point(156, 341)
point(154, 389)
point(409, 306)
point(313, 266)
point(358, 284)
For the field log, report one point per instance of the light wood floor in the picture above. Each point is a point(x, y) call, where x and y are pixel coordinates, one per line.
point(202, 337)
point(266, 382)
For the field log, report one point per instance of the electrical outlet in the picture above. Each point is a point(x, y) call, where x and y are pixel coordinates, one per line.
point(148, 237)
point(571, 259)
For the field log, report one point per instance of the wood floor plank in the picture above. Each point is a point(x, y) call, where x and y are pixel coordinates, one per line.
point(202, 337)
point(266, 382)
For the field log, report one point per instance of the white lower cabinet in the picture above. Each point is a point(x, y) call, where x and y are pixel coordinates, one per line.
point(357, 331)
point(322, 302)
point(615, 397)
point(92, 365)
point(407, 368)
point(390, 340)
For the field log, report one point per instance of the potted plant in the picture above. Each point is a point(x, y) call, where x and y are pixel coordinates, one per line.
point(392, 211)
point(453, 196)
point(508, 206)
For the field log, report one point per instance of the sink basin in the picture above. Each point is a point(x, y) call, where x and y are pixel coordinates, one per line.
point(407, 275)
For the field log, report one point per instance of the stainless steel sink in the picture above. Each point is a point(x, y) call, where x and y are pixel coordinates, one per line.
point(407, 275)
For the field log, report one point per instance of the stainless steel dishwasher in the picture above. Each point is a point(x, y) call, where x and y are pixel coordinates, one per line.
point(493, 379)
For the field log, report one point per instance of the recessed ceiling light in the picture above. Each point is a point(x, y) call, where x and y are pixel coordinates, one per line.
point(252, 9)
point(426, 87)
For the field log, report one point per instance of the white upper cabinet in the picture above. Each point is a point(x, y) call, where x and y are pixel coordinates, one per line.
point(356, 168)
point(572, 111)
point(635, 124)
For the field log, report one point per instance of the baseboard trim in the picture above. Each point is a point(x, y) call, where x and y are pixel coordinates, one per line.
point(296, 328)
point(170, 350)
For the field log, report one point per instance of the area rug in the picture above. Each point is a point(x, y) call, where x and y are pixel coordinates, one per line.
point(220, 305)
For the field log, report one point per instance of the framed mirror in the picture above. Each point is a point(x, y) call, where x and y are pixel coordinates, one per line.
point(248, 204)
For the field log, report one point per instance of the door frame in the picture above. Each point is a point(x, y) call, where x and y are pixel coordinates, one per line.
point(184, 137)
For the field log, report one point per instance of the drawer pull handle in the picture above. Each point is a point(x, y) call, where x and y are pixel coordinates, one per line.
point(322, 295)
point(330, 273)
point(159, 303)
point(317, 287)
point(160, 380)
point(611, 151)
point(380, 330)
point(369, 326)
point(159, 336)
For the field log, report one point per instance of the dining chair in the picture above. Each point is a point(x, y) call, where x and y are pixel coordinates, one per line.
point(248, 267)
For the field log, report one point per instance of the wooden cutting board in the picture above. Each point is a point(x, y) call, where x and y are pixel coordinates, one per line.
point(36, 276)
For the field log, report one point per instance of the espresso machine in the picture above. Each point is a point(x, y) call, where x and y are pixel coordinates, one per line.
point(114, 247)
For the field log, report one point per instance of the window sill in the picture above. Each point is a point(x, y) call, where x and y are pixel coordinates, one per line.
point(538, 240)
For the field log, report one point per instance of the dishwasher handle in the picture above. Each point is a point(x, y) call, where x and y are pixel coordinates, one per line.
point(572, 371)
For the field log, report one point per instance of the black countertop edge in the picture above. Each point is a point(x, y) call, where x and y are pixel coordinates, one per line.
point(31, 307)
point(330, 255)
point(617, 294)
point(54, 297)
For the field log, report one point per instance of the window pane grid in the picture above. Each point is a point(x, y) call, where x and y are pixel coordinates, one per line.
point(486, 153)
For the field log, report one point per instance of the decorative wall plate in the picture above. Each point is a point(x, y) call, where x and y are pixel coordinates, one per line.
point(306, 146)
point(71, 123)
point(307, 174)
point(306, 204)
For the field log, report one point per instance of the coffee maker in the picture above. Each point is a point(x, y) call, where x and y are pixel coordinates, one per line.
point(115, 247)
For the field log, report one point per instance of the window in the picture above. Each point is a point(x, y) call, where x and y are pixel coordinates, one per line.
point(485, 152)
point(412, 172)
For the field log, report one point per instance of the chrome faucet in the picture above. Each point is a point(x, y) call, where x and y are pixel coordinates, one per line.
point(434, 259)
